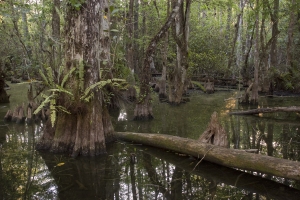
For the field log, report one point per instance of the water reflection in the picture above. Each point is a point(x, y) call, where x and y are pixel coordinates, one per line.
point(123, 115)
point(136, 172)
point(23, 172)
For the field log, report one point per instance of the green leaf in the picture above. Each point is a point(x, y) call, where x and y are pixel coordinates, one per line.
point(66, 77)
point(44, 77)
point(114, 30)
point(52, 111)
point(114, 11)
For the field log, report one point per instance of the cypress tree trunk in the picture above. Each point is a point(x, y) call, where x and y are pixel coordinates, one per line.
point(181, 35)
point(4, 98)
point(143, 108)
point(88, 127)
point(162, 84)
point(56, 47)
point(254, 95)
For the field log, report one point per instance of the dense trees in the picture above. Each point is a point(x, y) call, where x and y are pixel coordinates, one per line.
point(253, 42)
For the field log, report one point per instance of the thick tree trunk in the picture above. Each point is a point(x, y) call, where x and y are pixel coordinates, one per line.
point(86, 130)
point(56, 46)
point(143, 108)
point(219, 155)
point(267, 110)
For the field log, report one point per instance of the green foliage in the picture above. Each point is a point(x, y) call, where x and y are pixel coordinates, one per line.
point(76, 4)
point(84, 95)
point(88, 94)
point(198, 84)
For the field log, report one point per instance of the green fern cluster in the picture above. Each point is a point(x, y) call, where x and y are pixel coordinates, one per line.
point(57, 86)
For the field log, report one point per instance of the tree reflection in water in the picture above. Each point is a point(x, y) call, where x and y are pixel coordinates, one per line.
point(136, 172)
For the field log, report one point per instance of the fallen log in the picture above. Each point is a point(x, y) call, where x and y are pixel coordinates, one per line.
point(219, 155)
point(267, 110)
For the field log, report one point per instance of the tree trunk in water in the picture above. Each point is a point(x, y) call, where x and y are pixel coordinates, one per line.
point(162, 83)
point(4, 98)
point(181, 35)
point(254, 95)
point(88, 127)
point(129, 45)
point(239, 41)
point(215, 154)
point(275, 32)
point(143, 108)
point(290, 42)
point(214, 134)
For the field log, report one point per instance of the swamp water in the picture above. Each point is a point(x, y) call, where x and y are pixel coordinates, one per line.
point(131, 171)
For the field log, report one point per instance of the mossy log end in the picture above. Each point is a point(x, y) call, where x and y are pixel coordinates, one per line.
point(267, 110)
point(219, 155)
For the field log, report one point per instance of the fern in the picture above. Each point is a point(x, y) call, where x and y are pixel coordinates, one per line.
point(199, 85)
point(43, 104)
point(66, 77)
point(45, 79)
point(50, 75)
point(81, 75)
point(99, 84)
point(52, 111)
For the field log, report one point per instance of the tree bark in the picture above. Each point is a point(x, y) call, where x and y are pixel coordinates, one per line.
point(219, 155)
point(86, 130)
point(290, 39)
point(56, 45)
point(162, 83)
point(181, 36)
point(4, 98)
point(267, 110)
point(143, 108)
point(254, 96)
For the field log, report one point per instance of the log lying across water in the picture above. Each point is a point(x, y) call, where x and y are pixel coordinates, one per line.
point(219, 155)
point(267, 110)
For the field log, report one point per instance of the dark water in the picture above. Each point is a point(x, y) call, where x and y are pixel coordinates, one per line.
point(131, 171)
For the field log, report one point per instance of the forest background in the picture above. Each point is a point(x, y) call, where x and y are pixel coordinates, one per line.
point(253, 43)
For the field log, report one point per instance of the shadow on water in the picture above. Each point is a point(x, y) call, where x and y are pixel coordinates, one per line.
point(130, 171)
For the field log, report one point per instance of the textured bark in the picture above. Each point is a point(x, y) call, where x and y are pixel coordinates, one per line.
point(4, 98)
point(290, 39)
point(162, 83)
point(214, 134)
point(88, 128)
point(56, 47)
point(254, 95)
point(129, 42)
point(219, 155)
point(239, 41)
point(143, 108)
point(275, 32)
point(267, 110)
point(181, 35)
